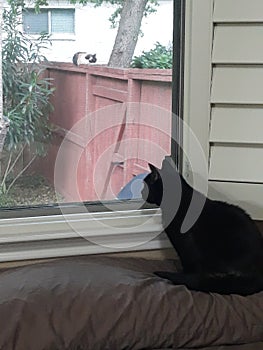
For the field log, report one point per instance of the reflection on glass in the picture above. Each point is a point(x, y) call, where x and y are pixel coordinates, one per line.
point(81, 132)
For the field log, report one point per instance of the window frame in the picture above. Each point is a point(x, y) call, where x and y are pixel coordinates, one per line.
point(58, 239)
point(197, 77)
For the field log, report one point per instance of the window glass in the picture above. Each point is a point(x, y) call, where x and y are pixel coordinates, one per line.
point(81, 131)
point(35, 23)
point(62, 21)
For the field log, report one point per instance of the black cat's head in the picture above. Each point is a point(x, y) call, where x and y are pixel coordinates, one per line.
point(91, 58)
point(153, 189)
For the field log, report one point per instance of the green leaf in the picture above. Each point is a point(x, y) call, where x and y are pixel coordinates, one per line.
point(158, 57)
point(25, 92)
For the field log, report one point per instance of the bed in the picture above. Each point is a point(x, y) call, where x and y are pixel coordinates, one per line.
point(113, 303)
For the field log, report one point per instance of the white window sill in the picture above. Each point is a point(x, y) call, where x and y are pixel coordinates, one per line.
point(81, 233)
point(63, 37)
point(55, 37)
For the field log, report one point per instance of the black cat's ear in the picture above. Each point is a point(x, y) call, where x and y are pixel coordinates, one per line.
point(152, 167)
point(154, 172)
point(168, 163)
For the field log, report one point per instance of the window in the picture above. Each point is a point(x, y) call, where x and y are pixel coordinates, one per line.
point(35, 23)
point(41, 230)
point(52, 21)
point(62, 21)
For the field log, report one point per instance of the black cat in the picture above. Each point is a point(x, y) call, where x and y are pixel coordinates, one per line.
point(80, 57)
point(221, 252)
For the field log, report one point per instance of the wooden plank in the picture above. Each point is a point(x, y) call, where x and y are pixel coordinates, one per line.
point(247, 196)
point(242, 85)
point(238, 11)
point(238, 44)
point(109, 93)
point(230, 163)
point(237, 124)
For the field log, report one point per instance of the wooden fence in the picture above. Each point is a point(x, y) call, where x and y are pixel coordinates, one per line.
point(109, 123)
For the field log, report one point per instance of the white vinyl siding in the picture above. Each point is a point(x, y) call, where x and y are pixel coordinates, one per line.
point(237, 85)
point(234, 162)
point(238, 11)
point(229, 49)
point(236, 124)
point(247, 196)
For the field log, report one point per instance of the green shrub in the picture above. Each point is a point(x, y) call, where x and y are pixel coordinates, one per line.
point(159, 57)
point(26, 93)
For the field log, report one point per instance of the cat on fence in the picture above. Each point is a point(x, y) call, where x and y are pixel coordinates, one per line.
point(84, 58)
point(223, 250)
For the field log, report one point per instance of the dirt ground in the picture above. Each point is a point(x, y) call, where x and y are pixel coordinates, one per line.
point(30, 190)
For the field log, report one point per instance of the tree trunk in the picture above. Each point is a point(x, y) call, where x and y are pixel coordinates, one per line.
point(128, 32)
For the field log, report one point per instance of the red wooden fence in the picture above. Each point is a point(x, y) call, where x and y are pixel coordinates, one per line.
point(109, 123)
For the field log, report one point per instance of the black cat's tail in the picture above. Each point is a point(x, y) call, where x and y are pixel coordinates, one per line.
point(232, 284)
point(218, 283)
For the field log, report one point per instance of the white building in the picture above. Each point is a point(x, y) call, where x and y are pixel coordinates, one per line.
point(87, 28)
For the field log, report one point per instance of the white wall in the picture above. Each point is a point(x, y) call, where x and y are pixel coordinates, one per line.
point(95, 35)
